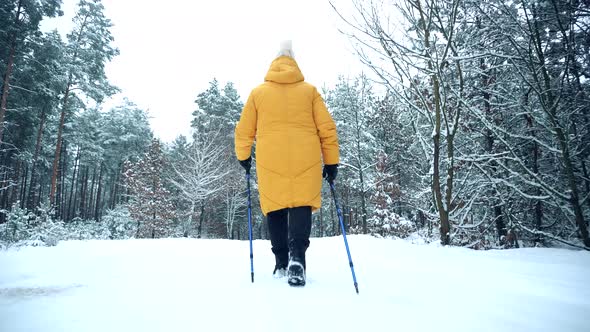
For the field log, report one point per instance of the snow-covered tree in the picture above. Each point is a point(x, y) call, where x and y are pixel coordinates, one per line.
point(217, 108)
point(16, 228)
point(384, 220)
point(89, 48)
point(352, 105)
point(235, 204)
point(494, 96)
point(150, 202)
point(200, 173)
point(19, 20)
point(120, 223)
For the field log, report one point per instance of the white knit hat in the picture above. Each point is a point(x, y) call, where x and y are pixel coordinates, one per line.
point(286, 49)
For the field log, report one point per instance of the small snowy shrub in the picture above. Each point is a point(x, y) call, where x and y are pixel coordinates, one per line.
point(386, 223)
point(17, 225)
point(79, 229)
point(119, 223)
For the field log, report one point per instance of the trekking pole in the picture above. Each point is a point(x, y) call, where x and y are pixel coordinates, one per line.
point(250, 226)
point(339, 212)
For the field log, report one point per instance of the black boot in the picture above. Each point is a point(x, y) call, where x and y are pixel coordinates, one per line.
point(299, 232)
point(278, 228)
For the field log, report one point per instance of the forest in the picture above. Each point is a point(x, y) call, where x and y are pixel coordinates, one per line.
point(470, 126)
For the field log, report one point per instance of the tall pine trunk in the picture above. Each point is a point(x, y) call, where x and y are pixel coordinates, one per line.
point(59, 143)
point(23, 190)
point(63, 113)
point(83, 193)
point(61, 189)
point(91, 199)
point(70, 209)
point(31, 202)
point(98, 196)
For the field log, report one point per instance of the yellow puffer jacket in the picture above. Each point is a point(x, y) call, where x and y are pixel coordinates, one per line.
point(293, 130)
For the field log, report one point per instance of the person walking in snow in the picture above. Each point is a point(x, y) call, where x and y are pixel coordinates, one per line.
point(294, 133)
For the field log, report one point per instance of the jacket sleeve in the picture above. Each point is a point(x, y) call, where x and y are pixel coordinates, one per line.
point(246, 130)
point(326, 130)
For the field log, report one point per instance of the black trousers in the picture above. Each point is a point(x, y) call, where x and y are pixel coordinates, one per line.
point(289, 234)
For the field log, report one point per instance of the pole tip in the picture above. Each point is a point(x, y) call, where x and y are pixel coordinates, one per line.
point(356, 286)
point(253, 279)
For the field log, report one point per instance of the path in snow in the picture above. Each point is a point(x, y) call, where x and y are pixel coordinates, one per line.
point(204, 285)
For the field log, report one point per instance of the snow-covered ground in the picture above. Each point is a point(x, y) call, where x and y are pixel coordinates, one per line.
point(204, 285)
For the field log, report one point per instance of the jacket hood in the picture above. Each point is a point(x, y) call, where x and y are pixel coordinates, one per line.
point(284, 69)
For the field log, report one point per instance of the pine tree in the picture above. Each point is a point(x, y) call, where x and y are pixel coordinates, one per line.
point(217, 109)
point(125, 136)
point(20, 19)
point(384, 221)
point(45, 73)
point(89, 48)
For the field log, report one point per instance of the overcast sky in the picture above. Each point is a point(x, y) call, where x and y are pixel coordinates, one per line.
point(171, 50)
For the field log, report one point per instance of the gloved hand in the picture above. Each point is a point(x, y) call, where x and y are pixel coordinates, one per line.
point(330, 172)
point(247, 164)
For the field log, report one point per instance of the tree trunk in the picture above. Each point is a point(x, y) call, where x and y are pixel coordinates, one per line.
point(201, 218)
point(24, 186)
point(538, 203)
point(61, 189)
point(40, 193)
point(445, 227)
point(489, 145)
point(13, 191)
point(9, 67)
point(91, 198)
point(59, 143)
point(3, 184)
point(3, 196)
point(574, 196)
point(31, 196)
point(76, 203)
point(115, 194)
point(83, 193)
point(98, 194)
point(69, 208)
point(363, 203)
point(112, 193)
point(436, 188)
point(190, 220)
